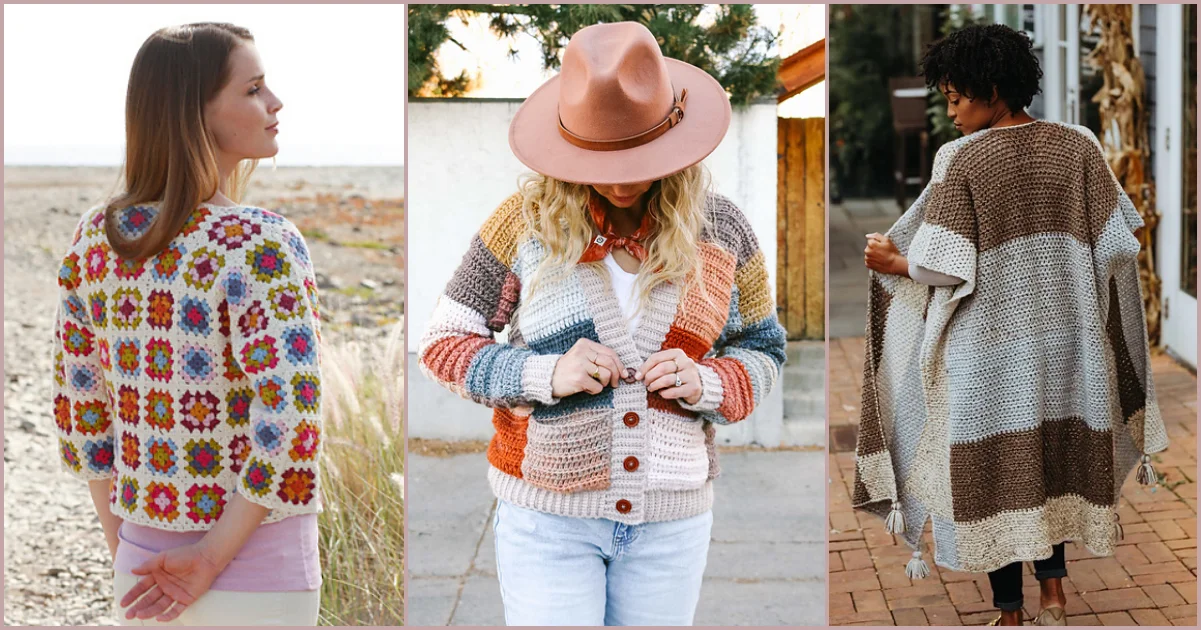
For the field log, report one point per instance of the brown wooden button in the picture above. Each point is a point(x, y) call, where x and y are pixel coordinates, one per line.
point(624, 506)
point(631, 419)
point(631, 463)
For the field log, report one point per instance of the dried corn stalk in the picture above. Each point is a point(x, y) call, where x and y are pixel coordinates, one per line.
point(1124, 137)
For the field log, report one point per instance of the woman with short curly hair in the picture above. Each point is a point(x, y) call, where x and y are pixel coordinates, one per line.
point(1012, 284)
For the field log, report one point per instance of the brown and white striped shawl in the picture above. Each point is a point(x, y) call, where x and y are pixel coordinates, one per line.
point(1009, 408)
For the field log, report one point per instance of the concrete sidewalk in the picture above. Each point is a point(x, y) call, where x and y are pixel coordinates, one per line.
point(1151, 580)
point(766, 559)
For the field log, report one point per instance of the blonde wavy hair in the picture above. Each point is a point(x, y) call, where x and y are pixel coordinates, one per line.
point(556, 214)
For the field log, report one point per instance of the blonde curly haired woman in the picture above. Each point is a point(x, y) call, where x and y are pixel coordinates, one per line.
point(639, 317)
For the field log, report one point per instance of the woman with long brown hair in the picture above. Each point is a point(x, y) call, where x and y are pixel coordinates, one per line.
point(187, 385)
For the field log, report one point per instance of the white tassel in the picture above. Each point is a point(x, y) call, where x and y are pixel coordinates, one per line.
point(1146, 473)
point(916, 569)
point(895, 523)
point(1117, 526)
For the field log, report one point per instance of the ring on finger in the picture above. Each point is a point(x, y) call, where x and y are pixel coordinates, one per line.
point(596, 373)
point(677, 366)
point(678, 381)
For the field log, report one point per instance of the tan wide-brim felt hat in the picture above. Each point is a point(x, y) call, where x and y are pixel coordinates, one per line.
point(619, 100)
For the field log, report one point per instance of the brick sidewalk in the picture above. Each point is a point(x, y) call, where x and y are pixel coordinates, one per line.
point(1150, 581)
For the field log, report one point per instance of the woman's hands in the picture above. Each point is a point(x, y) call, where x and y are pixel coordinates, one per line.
point(174, 579)
point(590, 366)
point(882, 255)
point(673, 374)
point(587, 367)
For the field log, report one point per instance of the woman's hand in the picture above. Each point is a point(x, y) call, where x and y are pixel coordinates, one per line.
point(882, 255)
point(174, 579)
point(587, 367)
point(660, 372)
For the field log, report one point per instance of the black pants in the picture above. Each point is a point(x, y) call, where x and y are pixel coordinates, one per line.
point(1007, 581)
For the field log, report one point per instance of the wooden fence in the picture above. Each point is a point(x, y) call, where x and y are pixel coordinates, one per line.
point(801, 227)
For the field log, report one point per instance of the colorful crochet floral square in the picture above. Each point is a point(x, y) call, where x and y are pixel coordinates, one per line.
point(127, 308)
point(69, 455)
point(304, 445)
point(203, 268)
point(269, 435)
point(194, 316)
point(300, 345)
point(259, 355)
point(128, 404)
point(161, 309)
point(204, 457)
point(91, 417)
point(266, 216)
point(77, 341)
point(299, 250)
point(69, 274)
point(96, 262)
point(96, 224)
point(129, 357)
point(310, 288)
point(131, 451)
point(306, 392)
point(258, 477)
point(135, 220)
point(106, 360)
point(205, 503)
point(99, 455)
point(85, 379)
point(128, 496)
point(237, 406)
point(98, 302)
point(297, 486)
point(130, 269)
point(239, 452)
point(198, 364)
point(234, 284)
point(233, 371)
point(232, 231)
point(286, 302)
point(60, 369)
point(75, 309)
point(62, 414)
point(160, 456)
point(160, 412)
point(253, 320)
point(272, 393)
point(199, 411)
point(159, 360)
point(162, 501)
point(267, 262)
point(195, 220)
point(166, 263)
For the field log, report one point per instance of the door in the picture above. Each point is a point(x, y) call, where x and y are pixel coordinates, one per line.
point(1176, 176)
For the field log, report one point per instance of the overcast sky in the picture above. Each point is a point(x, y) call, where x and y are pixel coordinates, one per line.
point(339, 69)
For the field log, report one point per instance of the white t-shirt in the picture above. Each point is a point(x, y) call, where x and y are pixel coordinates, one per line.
point(624, 287)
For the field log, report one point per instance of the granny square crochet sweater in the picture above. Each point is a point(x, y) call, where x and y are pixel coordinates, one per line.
point(624, 454)
point(193, 374)
point(1009, 408)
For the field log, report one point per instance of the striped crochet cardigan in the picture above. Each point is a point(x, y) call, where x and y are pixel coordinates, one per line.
point(191, 375)
point(625, 454)
point(1009, 408)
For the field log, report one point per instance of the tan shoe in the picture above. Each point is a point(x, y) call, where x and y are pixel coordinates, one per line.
point(997, 621)
point(1052, 616)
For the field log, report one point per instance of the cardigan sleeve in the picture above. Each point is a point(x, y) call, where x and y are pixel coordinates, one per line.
point(458, 349)
point(83, 406)
point(946, 240)
point(748, 355)
point(274, 331)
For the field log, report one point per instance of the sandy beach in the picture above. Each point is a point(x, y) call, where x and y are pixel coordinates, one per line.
point(56, 563)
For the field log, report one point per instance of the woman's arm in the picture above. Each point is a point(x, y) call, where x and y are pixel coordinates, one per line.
point(101, 489)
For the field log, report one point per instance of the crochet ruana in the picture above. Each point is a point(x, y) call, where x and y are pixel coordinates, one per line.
point(1009, 408)
point(625, 454)
point(193, 374)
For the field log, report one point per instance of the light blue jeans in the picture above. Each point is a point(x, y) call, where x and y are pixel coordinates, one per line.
point(565, 571)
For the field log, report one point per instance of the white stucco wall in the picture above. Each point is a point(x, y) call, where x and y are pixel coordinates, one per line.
point(460, 169)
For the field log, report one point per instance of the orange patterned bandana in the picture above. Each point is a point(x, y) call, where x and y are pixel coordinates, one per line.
point(604, 242)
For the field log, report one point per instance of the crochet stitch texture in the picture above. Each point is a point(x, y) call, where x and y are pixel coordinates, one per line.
point(192, 374)
point(625, 454)
point(1009, 408)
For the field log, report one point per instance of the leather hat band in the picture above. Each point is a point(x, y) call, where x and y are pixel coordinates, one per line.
point(672, 119)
